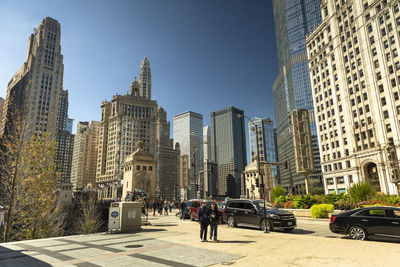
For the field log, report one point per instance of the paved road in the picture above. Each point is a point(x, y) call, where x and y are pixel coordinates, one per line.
point(171, 242)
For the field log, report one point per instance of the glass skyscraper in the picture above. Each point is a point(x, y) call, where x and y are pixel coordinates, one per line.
point(294, 19)
point(266, 143)
point(188, 132)
point(228, 149)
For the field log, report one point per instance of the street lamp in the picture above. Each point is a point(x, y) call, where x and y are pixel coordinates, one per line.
point(258, 167)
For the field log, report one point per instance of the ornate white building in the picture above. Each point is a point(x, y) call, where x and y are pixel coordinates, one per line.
point(355, 75)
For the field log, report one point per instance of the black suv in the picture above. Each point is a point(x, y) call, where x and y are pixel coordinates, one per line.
point(251, 213)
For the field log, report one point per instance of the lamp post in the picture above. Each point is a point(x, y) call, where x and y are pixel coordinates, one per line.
point(258, 168)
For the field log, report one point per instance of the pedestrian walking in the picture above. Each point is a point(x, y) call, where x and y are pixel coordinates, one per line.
point(166, 204)
point(204, 219)
point(160, 206)
point(214, 219)
point(182, 209)
point(154, 207)
point(171, 204)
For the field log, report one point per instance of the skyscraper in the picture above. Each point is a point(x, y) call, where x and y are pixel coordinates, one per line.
point(167, 157)
point(228, 149)
point(188, 132)
point(292, 87)
point(207, 143)
point(355, 71)
point(125, 120)
point(266, 142)
point(145, 79)
point(35, 91)
point(84, 160)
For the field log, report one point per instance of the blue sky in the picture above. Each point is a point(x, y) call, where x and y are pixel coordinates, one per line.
point(205, 55)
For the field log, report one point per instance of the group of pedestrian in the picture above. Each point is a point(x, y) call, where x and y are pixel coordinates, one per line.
point(208, 216)
point(161, 206)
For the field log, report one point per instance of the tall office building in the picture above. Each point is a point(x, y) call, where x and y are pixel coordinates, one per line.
point(168, 159)
point(355, 73)
point(266, 143)
point(188, 132)
point(292, 87)
point(228, 149)
point(70, 125)
point(207, 143)
point(35, 91)
point(125, 120)
point(84, 160)
point(145, 79)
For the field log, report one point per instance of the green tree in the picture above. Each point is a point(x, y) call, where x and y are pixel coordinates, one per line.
point(30, 178)
point(277, 191)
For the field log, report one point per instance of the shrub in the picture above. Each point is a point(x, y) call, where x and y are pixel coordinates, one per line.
point(303, 201)
point(288, 205)
point(321, 210)
point(361, 192)
point(277, 191)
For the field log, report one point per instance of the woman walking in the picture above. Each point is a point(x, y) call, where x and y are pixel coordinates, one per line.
point(214, 219)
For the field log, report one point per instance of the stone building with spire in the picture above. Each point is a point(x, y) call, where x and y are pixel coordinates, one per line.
point(125, 121)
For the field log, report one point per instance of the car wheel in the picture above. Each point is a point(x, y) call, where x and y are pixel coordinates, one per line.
point(231, 221)
point(357, 233)
point(191, 217)
point(266, 225)
point(289, 229)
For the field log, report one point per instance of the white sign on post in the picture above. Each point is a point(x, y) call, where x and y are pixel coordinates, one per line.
point(114, 219)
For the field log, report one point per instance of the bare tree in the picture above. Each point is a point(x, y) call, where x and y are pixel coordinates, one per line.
point(89, 219)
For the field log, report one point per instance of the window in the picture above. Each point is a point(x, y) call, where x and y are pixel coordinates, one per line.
point(137, 167)
point(388, 128)
point(340, 180)
point(329, 181)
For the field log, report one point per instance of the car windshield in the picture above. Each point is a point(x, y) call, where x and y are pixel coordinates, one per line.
point(268, 206)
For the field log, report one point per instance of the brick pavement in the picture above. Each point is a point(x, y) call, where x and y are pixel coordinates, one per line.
point(170, 242)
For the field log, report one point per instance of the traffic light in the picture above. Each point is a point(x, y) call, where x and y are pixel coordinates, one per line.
point(257, 182)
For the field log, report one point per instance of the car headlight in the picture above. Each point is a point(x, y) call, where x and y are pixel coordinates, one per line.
point(274, 216)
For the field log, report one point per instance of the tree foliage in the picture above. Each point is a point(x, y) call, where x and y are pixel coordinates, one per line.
point(277, 191)
point(30, 182)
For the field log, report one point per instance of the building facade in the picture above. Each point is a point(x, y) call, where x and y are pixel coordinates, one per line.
point(228, 149)
point(36, 90)
point(140, 172)
point(125, 120)
point(188, 132)
point(355, 69)
point(168, 159)
point(292, 88)
point(84, 160)
point(266, 143)
point(1, 110)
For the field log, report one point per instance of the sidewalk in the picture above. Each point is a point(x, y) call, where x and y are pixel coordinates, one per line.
point(169, 241)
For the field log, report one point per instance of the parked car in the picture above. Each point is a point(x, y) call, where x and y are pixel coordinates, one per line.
point(251, 213)
point(360, 223)
point(194, 208)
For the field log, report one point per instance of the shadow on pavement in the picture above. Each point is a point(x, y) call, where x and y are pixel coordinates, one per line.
point(152, 230)
point(373, 238)
point(170, 224)
point(233, 241)
point(298, 231)
point(9, 257)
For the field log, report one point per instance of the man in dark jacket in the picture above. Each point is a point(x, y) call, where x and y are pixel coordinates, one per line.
point(182, 209)
point(204, 219)
point(214, 219)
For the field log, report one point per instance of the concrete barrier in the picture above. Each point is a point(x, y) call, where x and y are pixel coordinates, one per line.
point(307, 212)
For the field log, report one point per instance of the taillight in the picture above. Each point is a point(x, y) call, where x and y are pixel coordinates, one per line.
point(333, 217)
point(223, 211)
